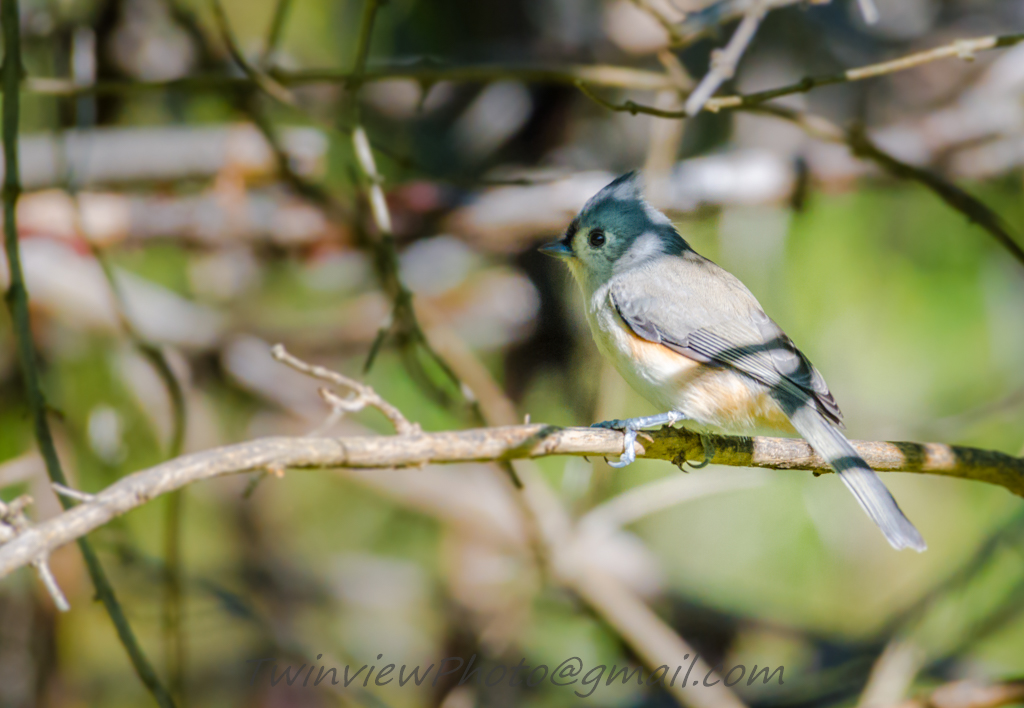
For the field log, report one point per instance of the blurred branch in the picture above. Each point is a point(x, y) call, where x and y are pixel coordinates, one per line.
point(595, 76)
point(130, 155)
point(724, 62)
point(370, 8)
point(275, 32)
point(259, 78)
point(403, 316)
point(970, 694)
point(423, 71)
point(173, 606)
point(676, 37)
point(892, 674)
point(654, 641)
point(863, 147)
point(868, 10)
point(17, 302)
point(962, 48)
point(551, 530)
point(492, 444)
point(152, 353)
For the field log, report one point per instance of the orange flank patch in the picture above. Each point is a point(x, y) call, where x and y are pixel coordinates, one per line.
point(716, 396)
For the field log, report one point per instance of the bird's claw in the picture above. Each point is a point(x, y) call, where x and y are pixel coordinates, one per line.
point(614, 424)
point(631, 427)
point(628, 450)
point(629, 433)
point(709, 452)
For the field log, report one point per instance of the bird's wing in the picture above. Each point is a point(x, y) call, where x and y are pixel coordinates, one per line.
point(701, 311)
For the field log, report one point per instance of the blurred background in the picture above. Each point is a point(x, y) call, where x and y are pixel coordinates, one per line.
point(177, 222)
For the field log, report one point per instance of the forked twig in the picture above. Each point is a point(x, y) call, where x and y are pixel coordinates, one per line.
point(361, 396)
point(14, 522)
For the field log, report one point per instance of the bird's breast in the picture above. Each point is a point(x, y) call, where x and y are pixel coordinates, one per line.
point(715, 397)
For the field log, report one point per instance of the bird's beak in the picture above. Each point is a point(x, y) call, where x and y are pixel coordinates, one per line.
point(556, 249)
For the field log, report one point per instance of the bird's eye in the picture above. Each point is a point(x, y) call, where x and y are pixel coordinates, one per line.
point(596, 238)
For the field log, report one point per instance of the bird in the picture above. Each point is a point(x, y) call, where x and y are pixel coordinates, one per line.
point(689, 337)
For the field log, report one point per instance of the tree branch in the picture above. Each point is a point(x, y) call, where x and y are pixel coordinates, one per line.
point(970, 694)
point(962, 48)
point(863, 147)
point(594, 75)
point(725, 61)
point(17, 302)
point(489, 444)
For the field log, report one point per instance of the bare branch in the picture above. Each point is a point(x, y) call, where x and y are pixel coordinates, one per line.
point(489, 444)
point(14, 522)
point(724, 62)
point(597, 75)
point(862, 146)
point(17, 302)
point(634, 504)
point(260, 78)
point(962, 48)
point(970, 694)
point(362, 395)
point(72, 493)
point(602, 75)
point(654, 640)
point(275, 32)
point(676, 37)
point(869, 11)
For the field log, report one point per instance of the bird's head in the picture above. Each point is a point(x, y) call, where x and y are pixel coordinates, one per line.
point(616, 230)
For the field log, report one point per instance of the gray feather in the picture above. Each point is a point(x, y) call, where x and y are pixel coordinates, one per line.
point(860, 479)
point(696, 308)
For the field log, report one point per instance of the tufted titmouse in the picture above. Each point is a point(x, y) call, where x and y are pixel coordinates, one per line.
point(690, 338)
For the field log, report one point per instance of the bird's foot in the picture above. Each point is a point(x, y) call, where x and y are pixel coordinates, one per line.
point(630, 427)
point(709, 451)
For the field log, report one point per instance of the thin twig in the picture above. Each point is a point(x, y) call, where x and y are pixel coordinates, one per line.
point(173, 609)
point(963, 48)
point(370, 8)
point(869, 11)
point(260, 78)
point(724, 62)
point(677, 39)
point(70, 493)
point(487, 445)
point(17, 302)
point(862, 146)
point(275, 32)
point(42, 567)
point(362, 395)
point(606, 76)
point(14, 522)
point(655, 642)
point(403, 316)
point(593, 75)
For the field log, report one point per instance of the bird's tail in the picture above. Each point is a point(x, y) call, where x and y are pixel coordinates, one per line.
point(860, 479)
